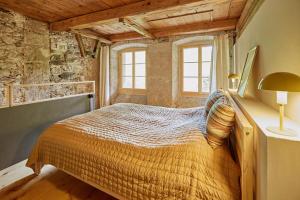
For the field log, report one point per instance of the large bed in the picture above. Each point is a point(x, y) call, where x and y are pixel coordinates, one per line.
point(135, 151)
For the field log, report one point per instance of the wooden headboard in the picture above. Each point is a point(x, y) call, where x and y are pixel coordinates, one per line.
point(242, 142)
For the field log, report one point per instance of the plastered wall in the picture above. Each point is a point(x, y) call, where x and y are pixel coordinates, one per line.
point(276, 29)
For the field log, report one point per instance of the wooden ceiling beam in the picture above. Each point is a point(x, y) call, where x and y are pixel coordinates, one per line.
point(136, 27)
point(126, 36)
point(80, 45)
point(200, 27)
point(91, 34)
point(141, 7)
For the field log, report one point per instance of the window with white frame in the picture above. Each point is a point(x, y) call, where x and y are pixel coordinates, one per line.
point(133, 70)
point(196, 63)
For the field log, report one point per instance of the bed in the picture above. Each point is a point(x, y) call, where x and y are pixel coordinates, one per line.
point(135, 151)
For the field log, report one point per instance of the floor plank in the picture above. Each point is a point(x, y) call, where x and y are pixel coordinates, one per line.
point(49, 185)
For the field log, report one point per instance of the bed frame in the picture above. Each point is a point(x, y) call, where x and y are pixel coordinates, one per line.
point(242, 143)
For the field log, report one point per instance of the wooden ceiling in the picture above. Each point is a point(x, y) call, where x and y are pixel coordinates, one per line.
point(118, 20)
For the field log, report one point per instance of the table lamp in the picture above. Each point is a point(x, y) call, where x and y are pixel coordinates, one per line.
point(233, 77)
point(282, 83)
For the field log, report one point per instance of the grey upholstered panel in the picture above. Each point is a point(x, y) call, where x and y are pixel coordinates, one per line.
point(20, 126)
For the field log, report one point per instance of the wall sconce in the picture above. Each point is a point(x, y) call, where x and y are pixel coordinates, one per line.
point(234, 79)
point(282, 83)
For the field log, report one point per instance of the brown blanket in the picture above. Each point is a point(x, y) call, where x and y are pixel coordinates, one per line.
point(140, 152)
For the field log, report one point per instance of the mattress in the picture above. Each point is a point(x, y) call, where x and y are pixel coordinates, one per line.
point(136, 151)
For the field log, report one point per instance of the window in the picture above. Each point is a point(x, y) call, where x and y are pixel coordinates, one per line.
point(133, 70)
point(195, 68)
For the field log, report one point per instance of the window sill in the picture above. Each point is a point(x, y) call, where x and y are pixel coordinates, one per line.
point(133, 91)
point(195, 94)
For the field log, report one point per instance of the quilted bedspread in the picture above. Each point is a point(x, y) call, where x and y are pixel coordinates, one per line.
point(135, 151)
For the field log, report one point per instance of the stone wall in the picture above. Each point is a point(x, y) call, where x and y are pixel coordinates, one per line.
point(66, 63)
point(159, 74)
point(29, 53)
point(24, 49)
point(162, 73)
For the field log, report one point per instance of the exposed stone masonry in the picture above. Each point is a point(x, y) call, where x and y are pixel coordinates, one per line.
point(30, 54)
point(66, 62)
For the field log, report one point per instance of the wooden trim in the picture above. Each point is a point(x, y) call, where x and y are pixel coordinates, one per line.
point(243, 144)
point(46, 84)
point(12, 103)
point(141, 7)
point(96, 49)
point(6, 97)
point(248, 12)
point(91, 34)
point(199, 27)
point(131, 91)
point(136, 27)
point(10, 95)
point(198, 45)
point(80, 44)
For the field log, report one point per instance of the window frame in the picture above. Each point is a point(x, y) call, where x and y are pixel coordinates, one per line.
point(131, 91)
point(198, 45)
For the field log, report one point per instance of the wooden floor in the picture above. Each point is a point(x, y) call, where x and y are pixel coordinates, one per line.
point(51, 184)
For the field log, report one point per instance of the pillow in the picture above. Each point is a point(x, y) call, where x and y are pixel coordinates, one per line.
point(212, 98)
point(220, 121)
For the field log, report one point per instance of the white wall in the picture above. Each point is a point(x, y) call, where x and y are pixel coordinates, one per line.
point(276, 29)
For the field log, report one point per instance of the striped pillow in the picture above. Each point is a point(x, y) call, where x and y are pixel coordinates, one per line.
point(212, 98)
point(220, 121)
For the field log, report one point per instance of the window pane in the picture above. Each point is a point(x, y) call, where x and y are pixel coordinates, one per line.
point(140, 57)
point(207, 53)
point(190, 54)
point(140, 83)
point(140, 70)
point(205, 84)
point(190, 84)
point(126, 82)
point(190, 69)
point(206, 69)
point(127, 58)
point(127, 70)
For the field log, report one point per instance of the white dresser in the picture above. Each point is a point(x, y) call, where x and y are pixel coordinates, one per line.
point(276, 157)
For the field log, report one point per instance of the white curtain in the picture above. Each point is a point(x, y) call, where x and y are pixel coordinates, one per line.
point(104, 95)
point(221, 62)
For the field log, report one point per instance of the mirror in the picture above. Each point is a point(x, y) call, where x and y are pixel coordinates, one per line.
point(246, 71)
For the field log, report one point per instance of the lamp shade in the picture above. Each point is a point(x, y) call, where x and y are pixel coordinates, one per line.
point(233, 76)
point(280, 81)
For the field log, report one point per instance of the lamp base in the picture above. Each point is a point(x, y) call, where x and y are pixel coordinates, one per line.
point(286, 131)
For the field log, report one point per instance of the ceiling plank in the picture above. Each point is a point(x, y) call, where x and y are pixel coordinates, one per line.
point(200, 27)
point(91, 19)
point(136, 27)
point(181, 15)
point(91, 34)
point(30, 11)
